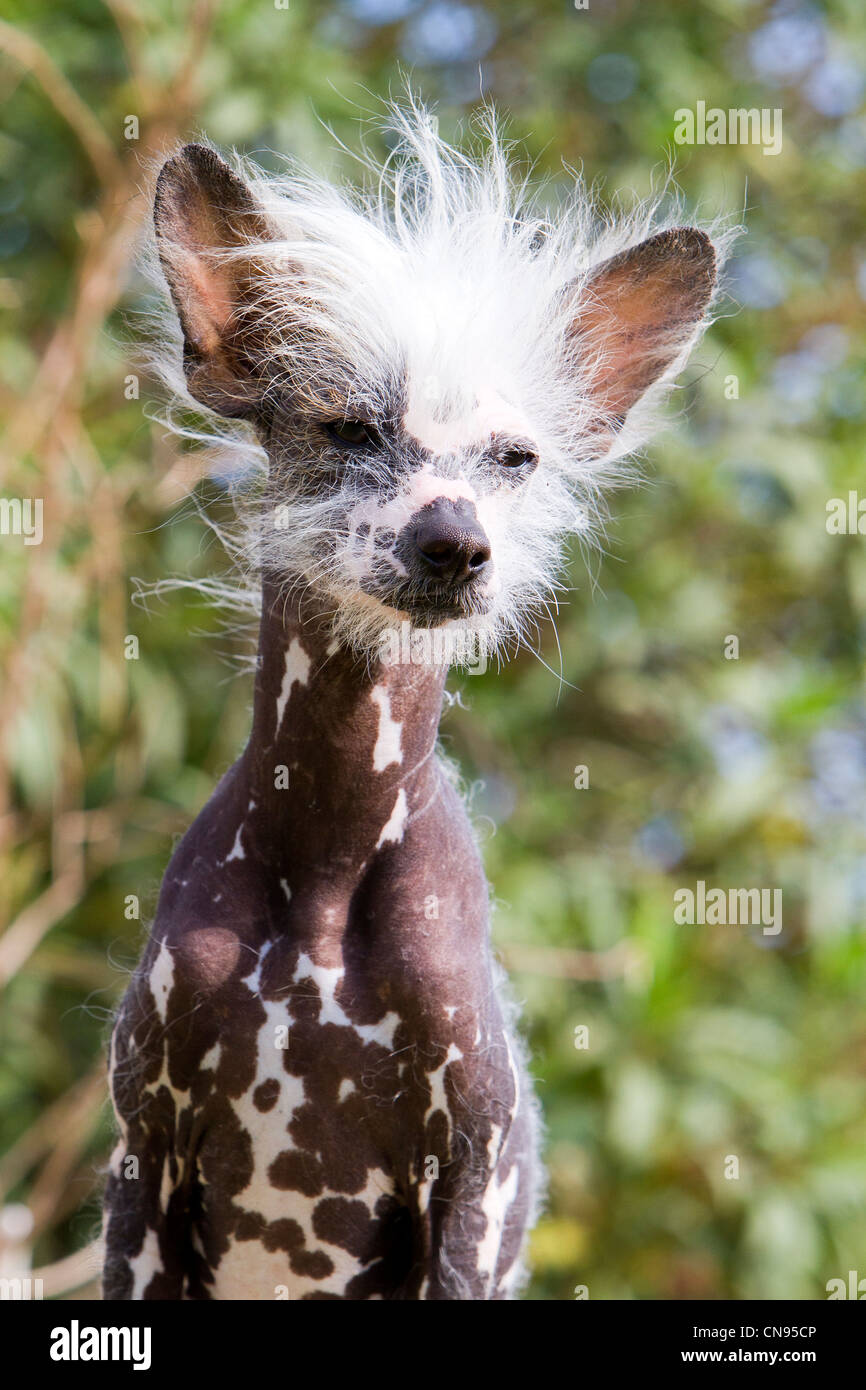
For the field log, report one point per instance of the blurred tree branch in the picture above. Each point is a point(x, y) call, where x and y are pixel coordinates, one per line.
point(65, 100)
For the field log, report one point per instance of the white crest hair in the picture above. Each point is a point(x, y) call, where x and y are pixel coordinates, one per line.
point(447, 271)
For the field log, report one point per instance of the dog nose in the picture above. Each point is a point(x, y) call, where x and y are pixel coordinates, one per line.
point(451, 543)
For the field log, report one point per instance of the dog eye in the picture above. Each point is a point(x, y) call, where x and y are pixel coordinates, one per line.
point(517, 458)
point(355, 433)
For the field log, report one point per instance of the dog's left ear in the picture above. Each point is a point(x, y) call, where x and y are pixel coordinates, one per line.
point(638, 315)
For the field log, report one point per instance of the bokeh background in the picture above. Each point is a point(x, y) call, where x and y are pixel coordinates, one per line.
point(704, 1042)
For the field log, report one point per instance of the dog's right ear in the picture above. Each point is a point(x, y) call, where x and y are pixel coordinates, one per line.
point(207, 226)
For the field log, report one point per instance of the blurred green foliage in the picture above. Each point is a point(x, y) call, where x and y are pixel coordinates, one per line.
point(704, 1042)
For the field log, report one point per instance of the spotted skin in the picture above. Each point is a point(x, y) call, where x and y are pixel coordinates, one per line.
point(317, 1087)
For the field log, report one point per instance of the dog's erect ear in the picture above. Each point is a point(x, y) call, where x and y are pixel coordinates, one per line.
point(638, 315)
point(205, 217)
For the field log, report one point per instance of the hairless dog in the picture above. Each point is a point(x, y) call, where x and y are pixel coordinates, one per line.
point(319, 1088)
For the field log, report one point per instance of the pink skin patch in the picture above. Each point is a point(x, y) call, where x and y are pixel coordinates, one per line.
point(491, 415)
point(423, 488)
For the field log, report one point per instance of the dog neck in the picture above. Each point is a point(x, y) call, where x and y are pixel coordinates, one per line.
point(341, 754)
